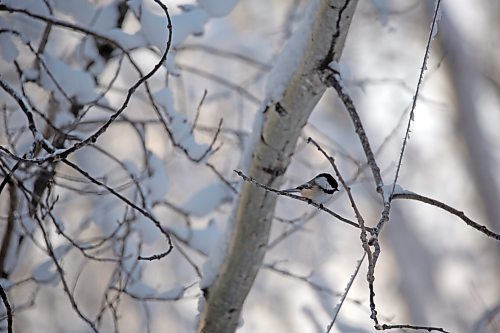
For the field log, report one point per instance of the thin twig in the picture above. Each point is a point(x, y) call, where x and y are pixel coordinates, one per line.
point(221, 80)
point(442, 205)
point(415, 97)
point(198, 109)
point(8, 176)
point(411, 327)
point(62, 275)
point(222, 178)
point(365, 243)
point(131, 204)
point(224, 53)
point(39, 139)
point(357, 213)
point(6, 303)
point(332, 79)
point(297, 197)
point(346, 291)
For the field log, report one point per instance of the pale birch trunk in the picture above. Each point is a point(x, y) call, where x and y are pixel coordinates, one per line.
point(280, 128)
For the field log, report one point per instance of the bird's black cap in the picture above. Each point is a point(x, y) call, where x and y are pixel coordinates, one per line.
point(329, 178)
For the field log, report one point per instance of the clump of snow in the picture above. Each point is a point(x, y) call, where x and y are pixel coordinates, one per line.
point(207, 199)
point(6, 284)
point(30, 74)
point(397, 190)
point(188, 23)
point(155, 187)
point(171, 66)
point(165, 98)
point(141, 290)
point(46, 273)
point(218, 8)
point(157, 184)
point(106, 214)
point(334, 65)
point(76, 83)
point(153, 28)
point(191, 21)
point(213, 264)
point(8, 51)
point(383, 9)
point(204, 239)
point(82, 11)
point(179, 125)
point(439, 15)
point(173, 293)
point(125, 40)
point(135, 6)
point(250, 141)
point(86, 51)
point(147, 230)
point(35, 7)
point(291, 57)
point(104, 17)
point(345, 74)
point(129, 262)
point(201, 238)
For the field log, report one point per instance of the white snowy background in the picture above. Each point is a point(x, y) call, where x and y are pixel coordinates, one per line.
point(433, 271)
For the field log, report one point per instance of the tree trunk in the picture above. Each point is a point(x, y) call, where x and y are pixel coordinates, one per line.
point(321, 37)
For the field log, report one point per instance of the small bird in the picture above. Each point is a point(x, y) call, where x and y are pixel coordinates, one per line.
point(319, 189)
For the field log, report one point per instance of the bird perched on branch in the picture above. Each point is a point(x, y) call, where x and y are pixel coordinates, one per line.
point(319, 189)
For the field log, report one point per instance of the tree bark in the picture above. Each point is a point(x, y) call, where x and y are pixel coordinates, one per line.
point(269, 156)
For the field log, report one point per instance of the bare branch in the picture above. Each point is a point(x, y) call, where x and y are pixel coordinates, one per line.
point(296, 197)
point(442, 205)
point(60, 271)
point(410, 327)
point(39, 139)
point(415, 97)
point(332, 79)
point(221, 80)
point(195, 121)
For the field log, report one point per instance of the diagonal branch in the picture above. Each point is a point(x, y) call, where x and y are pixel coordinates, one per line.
point(344, 294)
point(332, 79)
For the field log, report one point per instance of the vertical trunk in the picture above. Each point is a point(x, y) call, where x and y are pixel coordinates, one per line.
point(317, 42)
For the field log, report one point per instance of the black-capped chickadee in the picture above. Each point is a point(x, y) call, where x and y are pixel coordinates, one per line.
point(319, 189)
